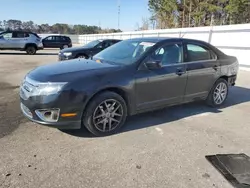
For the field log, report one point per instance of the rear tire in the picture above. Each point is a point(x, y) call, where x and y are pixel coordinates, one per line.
point(30, 50)
point(105, 114)
point(218, 93)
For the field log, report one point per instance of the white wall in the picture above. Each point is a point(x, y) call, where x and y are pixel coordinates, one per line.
point(231, 39)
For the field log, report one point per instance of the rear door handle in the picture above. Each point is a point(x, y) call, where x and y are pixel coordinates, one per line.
point(215, 67)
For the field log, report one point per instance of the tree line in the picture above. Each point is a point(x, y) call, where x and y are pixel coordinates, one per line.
point(196, 13)
point(58, 28)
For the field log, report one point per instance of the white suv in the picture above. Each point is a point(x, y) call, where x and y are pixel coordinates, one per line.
point(20, 40)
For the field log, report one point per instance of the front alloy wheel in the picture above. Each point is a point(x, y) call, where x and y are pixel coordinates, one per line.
point(105, 114)
point(108, 115)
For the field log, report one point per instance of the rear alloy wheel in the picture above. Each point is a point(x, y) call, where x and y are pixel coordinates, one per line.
point(105, 114)
point(31, 50)
point(218, 94)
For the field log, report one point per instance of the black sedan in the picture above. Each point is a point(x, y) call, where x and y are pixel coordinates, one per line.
point(86, 51)
point(57, 41)
point(128, 78)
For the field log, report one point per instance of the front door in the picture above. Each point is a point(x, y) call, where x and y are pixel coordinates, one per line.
point(5, 40)
point(203, 69)
point(165, 85)
point(49, 42)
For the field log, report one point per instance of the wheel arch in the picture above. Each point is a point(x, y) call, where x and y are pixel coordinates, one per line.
point(30, 44)
point(116, 90)
point(225, 77)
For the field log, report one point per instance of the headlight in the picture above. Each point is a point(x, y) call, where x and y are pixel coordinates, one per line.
point(48, 88)
point(67, 53)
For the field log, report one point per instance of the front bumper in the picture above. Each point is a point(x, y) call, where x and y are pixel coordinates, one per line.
point(66, 102)
point(59, 125)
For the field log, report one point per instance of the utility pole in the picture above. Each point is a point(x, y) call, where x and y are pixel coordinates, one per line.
point(183, 14)
point(119, 10)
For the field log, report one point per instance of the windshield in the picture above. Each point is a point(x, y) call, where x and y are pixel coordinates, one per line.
point(125, 52)
point(92, 43)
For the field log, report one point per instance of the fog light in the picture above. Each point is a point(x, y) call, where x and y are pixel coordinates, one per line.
point(26, 111)
point(48, 115)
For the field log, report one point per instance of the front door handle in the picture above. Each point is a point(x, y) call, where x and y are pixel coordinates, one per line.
point(180, 72)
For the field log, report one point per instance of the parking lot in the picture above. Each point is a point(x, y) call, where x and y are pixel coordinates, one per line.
point(166, 148)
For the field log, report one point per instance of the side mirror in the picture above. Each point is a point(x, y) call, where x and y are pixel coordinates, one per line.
point(153, 64)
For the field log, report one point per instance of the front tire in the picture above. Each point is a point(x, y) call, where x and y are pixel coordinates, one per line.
point(218, 93)
point(31, 50)
point(105, 114)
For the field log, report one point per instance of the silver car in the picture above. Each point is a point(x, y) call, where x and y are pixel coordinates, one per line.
point(20, 40)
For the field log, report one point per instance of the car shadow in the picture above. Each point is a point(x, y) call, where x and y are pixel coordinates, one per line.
point(237, 95)
point(20, 53)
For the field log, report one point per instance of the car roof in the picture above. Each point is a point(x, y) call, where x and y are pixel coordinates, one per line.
point(56, 36)
point(19, 31)
point(161, 39)
point(109, 39)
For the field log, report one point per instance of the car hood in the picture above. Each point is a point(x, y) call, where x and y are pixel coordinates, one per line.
point(70, 70)
point(74, 49)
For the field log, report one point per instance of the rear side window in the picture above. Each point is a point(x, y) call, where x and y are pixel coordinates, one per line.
point(58, 38)
point(67, 39)
point(197, 53)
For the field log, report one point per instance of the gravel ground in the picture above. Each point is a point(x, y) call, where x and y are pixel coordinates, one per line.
point(166, 148)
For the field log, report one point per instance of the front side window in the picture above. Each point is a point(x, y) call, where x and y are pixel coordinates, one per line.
point(125, 52)
point(168, 54)
point(197, 53)
point(49, 38)
point(92, 43)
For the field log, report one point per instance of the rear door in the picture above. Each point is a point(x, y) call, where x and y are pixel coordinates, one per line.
point(59, 41)
point(203, 69)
